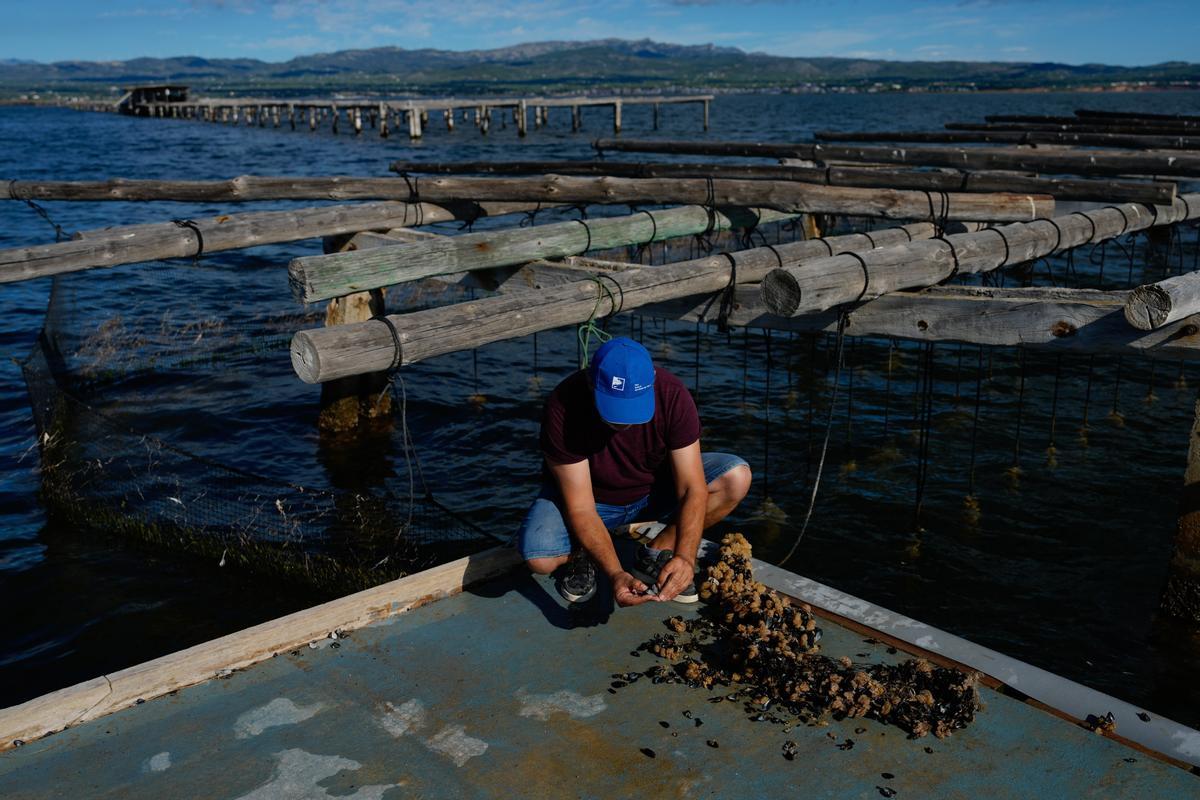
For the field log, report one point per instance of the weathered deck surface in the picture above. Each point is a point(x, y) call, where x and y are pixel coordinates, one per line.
point(501, 692)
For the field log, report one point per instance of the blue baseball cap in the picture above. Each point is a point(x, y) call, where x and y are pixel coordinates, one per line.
point(623, 382)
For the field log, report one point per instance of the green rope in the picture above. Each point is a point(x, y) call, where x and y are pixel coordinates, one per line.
point(589, 329)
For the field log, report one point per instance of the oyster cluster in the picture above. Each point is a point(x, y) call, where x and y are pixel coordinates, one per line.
point(768, 645)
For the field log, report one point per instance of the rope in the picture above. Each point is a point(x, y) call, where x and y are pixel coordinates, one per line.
point(953, 254)
point(939, 219)
point(588, 329)
point(727, 295)
point(588, 246)
point(866, 274)
point(59, 233)
point(530, 217)
point(926, 423)
point(192, 226)
point(704, 239)
point(414, 196)
point(644, 246)
point(837, 377)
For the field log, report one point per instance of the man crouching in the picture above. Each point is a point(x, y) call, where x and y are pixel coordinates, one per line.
point(621, 442)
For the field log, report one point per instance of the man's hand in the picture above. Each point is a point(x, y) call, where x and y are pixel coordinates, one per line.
point(674, 577)
point(629, 591)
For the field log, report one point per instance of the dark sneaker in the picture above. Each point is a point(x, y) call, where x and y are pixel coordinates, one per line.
point(647, 566)
point(577, 577)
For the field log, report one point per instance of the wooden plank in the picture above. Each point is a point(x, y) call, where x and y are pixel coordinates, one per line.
point(326, 353)
point(320, 277)
point(828, 282)
point(1099, 162)
point(1079, 321)
point(109, 693)
point(129, 244)
point(1105, 190)
point(1154, 305)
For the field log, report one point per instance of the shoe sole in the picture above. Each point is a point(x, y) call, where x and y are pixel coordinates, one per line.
point(576, 598)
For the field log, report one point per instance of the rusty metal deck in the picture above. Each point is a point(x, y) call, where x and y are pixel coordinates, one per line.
point(500, 691)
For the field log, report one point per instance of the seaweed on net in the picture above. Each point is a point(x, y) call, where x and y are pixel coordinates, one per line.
point(768, 646)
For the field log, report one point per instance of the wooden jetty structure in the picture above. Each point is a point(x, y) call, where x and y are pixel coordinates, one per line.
point(412, 116)
point(448, 666)
point(458, 681)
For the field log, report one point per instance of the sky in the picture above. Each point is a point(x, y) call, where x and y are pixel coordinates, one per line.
point(1070, 31)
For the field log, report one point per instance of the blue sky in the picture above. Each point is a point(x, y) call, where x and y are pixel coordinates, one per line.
point(274, 30)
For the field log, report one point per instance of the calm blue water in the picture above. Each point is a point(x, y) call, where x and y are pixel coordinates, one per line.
point(1062, 567)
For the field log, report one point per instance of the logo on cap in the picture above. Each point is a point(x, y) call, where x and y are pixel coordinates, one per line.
point(618, 383)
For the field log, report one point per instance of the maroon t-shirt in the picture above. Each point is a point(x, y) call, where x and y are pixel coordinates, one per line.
point(623, 463)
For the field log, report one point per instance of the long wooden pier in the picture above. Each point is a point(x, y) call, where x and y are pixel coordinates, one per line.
point(385, 115)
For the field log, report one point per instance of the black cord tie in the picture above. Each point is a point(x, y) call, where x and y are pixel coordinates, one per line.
point(953, 254)
point(829, 176)
point(1058, 236)
point(589, 234)
point(1007, 252)
point(938, 219)
point(191, 225)
point(869, 239)
point(397, 352)
point(962, 181)
point(13, 194)
point(866, 275)
point(907, 232)
point(530, 218)
point(1091, 222)
point(618, 305)
point(778, 257)
point(1124, 219)
point(414, 196)
point(644, 246)
point(823, 241)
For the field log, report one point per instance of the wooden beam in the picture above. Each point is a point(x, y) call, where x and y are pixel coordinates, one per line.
point(104, 695)
point(1074, 126)
point(1079, 321)
point(1157, 304)
point(1174, 126)
point(828, 282)
point(1138, 141)
point(785, 196)
point(1105, 190)
point(320, 277)
point(1099, 162)
point(131, 244)
point(322, 354)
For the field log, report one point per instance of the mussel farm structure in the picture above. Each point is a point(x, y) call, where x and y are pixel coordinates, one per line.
point(1016, 238)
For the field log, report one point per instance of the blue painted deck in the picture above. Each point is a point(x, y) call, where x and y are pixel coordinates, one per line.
point(501, 691)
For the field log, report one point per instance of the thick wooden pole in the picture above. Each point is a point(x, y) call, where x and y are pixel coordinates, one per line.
point(1098, 162)
point(784, 196)
point(823, 284)
point(1156, 304)
point(323, 354)
point(1107, 190)
point(1143, 142)
point(131, 244)
point(1074, 321)
point(522, 118)
point(316, 278)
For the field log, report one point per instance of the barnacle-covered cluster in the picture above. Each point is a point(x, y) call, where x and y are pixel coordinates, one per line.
point(769, 645)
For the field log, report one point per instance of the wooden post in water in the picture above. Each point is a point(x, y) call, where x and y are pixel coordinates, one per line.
point(333, 112)
point(616, 117)
point(706, 102)
point(656, 116)
point(312, 118)
point(485, 119)
point(383, 120)
point(357, 121)
point(520, 113)
point(576, 119)
point(450, 119)
point(349, 403)
point(1181, 595)
point(414, 123)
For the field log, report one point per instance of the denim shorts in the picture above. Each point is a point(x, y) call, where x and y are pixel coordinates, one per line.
point(543, 533)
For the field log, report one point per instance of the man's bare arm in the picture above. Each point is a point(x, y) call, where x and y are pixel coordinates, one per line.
point(692, 492)
point(575, 485)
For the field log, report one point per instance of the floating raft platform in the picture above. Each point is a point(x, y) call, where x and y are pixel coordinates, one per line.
point(500, 690)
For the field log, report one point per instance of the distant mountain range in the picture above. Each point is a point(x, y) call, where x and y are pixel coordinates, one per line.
point(606, 64)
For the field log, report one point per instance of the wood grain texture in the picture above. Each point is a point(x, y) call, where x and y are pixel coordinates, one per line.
point(1156, 304)
point(325, 353)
